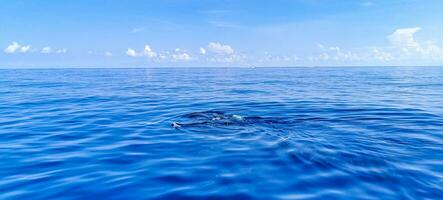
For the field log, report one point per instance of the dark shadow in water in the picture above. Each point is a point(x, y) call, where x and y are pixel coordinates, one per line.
point(219, 118)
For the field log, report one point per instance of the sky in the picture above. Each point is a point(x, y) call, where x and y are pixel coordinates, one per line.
point(220, 33)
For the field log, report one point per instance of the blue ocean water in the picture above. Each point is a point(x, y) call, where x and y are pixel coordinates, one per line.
point(242, 133)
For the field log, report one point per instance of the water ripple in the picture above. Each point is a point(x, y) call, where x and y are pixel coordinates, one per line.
point(280, 133)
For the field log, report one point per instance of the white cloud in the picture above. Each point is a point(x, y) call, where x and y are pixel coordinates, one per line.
point(12, 48)
point(182, 56)
point(337, 54)
point(149, 52)
point(220, 48)
point(175, 56)
point(15, 47)
point(162, 56)
point(131, 52)
point(108, 54)
point(433, 51)
point(403, 46)
point(381, 55)
point(61, 51)
point(202, 51)
point(404, 38)
point(224, 53)
point(321, 47)
point(404, 41)
point(179, 55)
point(46, 50)
point(25, 49)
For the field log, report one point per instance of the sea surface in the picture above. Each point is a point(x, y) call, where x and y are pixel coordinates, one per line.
point(222, 133)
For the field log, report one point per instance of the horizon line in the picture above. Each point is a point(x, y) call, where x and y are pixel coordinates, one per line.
point(249, 67)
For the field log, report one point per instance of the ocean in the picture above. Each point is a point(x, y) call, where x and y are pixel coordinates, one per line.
point(222, 133)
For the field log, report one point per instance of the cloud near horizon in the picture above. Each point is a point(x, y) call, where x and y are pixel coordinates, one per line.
point(222, 53)
point(46, 50)
point(177, 55)
point(404, 40)
point(147, 51)
point(219, 48)
point(402, 45)
point(15, 47)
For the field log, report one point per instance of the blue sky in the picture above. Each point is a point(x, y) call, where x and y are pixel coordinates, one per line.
point(169, 33)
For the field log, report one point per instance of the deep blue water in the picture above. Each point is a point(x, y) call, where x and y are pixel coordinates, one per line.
point(263, 133)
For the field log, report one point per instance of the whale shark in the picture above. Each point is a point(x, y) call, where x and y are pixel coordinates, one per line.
point(219, 118)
